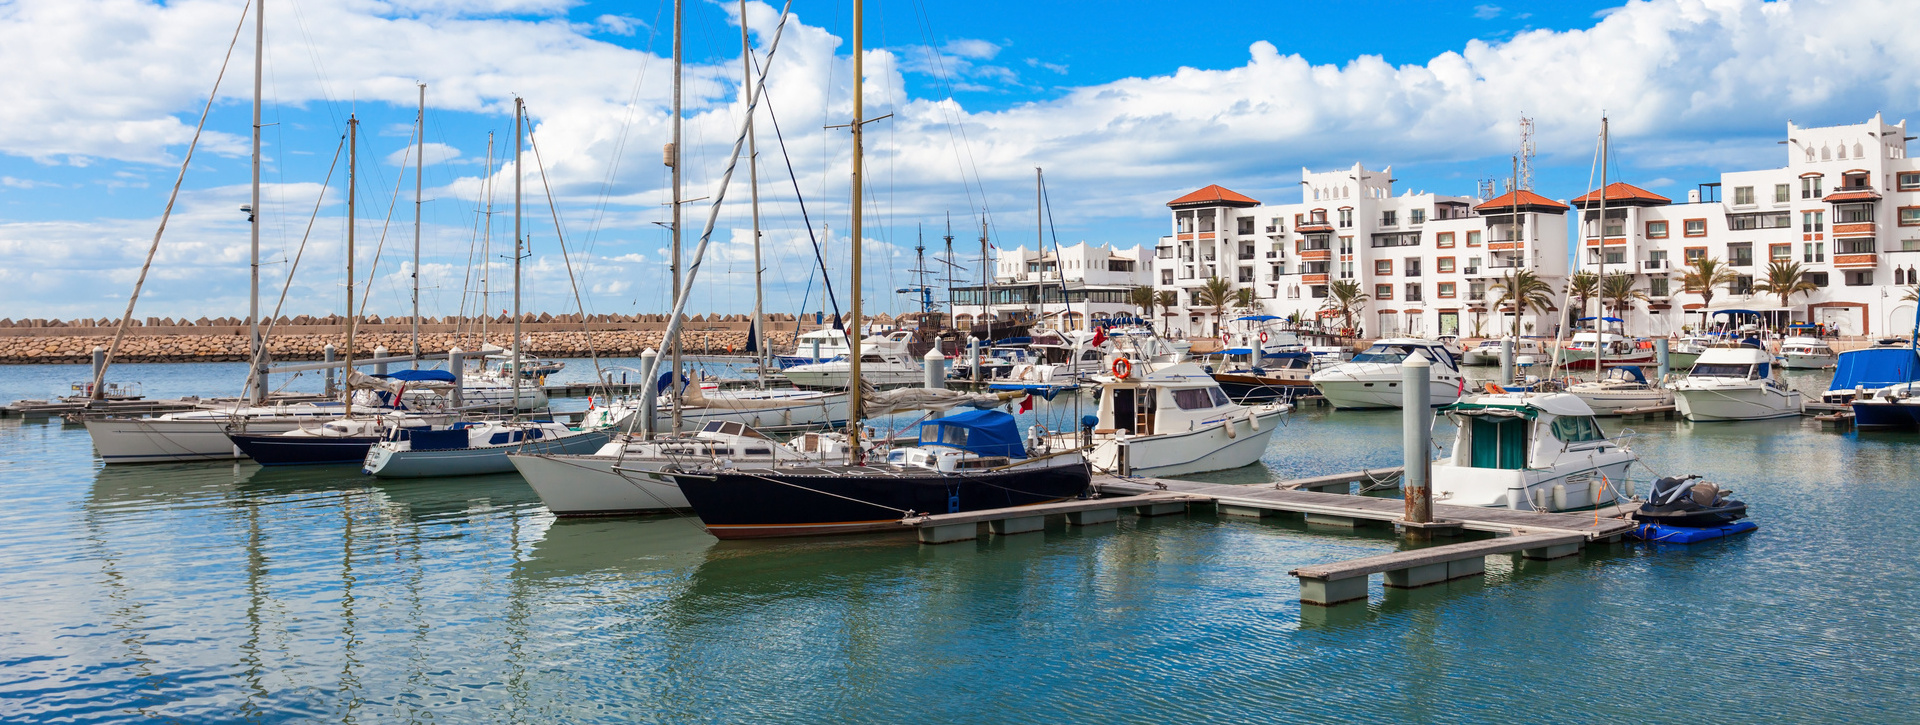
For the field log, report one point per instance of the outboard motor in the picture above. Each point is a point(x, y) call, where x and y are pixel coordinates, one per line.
point(1037, 440)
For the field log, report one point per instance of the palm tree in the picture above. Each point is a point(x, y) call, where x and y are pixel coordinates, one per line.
point(1169, 299)
point(1344, 296)
point(1244, 302)
point(1144, 298)
point(1218, 294)
point(1581, 287)
point(1618, 290)
point(1705, 273)
point(1526, 291)
point(1785, 279)
point(1912, 295)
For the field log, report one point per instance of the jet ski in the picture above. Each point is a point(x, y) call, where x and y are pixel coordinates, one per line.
point(1677, 501)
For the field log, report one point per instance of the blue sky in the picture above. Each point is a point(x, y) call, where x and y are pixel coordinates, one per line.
point(1124, 106)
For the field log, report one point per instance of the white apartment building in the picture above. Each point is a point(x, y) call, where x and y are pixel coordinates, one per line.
point(1846, 206)
point(1426, 260)
point(1064, 289)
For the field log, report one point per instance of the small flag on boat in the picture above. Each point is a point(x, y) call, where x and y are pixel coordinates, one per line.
point(1026, 403)
point(1462, 390)
point(1099, 336)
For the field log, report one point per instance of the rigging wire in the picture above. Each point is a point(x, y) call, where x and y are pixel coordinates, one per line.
point(273, 320)
point(559, 234)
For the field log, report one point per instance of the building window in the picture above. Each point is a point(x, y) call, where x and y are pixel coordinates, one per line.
point(1382, 292)
point(1166, 276)
point(1473, 238)
point(1813, 252)
point(1692, 254)
point(1860, 278)
point(1813, 221)
point(1657, 229)
point(1742, 285)
point(1782, 193)
point(1417, 216)
point(1910, 216)
point(1616, 256)
point(1657, 286)
point(1909, 181)
point(1810, 187)
point(1314, 242)
point(1346, 217)
point(1743, 196)
point(1444, 265)
point(1383, 267)
point(1780, 253)
point(1769, 220)
point(1854, 246)
point(1389, 218)
point(1740, 254)
point(1819, 279)
point(1443, 240)
point(1346, 245)
point(1476, 290)
point(1413, 267)
point(1346, 270)
point(1246, 274)
point(1446, 290)
point(1852, 213)
point(1246, 225)
point(1413, 292)
point(1695, 227)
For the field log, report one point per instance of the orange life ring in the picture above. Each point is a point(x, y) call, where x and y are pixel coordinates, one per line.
point(1122, 368)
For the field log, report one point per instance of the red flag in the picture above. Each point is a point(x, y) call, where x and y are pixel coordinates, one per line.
point(1463, 388)
point(1026, 404)
point(1099, 336)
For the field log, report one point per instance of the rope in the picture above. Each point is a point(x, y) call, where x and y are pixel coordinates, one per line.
point(560, 235)
point(120, 333)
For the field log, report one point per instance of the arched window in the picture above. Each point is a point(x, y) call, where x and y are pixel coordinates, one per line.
point(1825, 153)
point(1841, 153)
point(1858, 150)
point(1809, 154)
point(1899, 276)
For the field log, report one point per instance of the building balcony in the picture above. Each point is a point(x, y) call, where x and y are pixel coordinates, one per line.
point(1316, 255)
point(1314, 278)
point(1247, 255)
point(1867, 260)
point(1655, 265)
point(1853, 229)
point(1273, 254)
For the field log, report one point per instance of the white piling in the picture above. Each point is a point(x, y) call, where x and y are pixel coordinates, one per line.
point(457, 364)
point(648, 401)
point(1506, 361)
point(327, 355)
point(1660, 358)
point(379, 368)
point(934, 369)
point(1416, 418)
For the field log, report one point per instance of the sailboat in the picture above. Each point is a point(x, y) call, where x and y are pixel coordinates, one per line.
point(1624, 386)
point(482, 447)
point(966, 462)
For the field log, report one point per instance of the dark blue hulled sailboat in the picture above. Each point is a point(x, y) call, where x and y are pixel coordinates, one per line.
point(346, 440)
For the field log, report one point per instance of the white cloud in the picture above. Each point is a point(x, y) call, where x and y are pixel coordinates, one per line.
point(433, 153)
point(1486, 12)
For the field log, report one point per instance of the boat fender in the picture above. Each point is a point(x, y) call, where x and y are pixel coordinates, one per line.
point(1253, 420)
point(1228, 424)
point(1559, 497)
point(1538, 498)
point(1627, 487)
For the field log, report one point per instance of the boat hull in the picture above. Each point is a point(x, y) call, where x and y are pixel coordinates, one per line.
point(593, 485)
point(1247, 387)
point(1383, 393)
point(1717, 403)
point(1532, 490)
point(147, 440)
point(768, 503)
point(1881, 414)
point(1798, 361)
point(386, 462)
point(1180, 454)
point(1611, 402)
point(278, 450)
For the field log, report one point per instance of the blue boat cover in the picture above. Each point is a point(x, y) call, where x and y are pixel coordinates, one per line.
point(415, 376)
point(1237, 351)
point(1663, 534)
point(1876, 367)
point(985, 432)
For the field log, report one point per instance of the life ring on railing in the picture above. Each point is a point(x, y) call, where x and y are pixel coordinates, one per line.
point(1122, 368)
point(1263, 336)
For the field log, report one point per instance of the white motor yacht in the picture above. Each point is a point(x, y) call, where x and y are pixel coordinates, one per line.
point(626, 475)
point(1372, 378)
point(1531, 452)
point(1579, 352)
point(1806, 353)
point(1624, 387)
point(878, 370)
point(1734, 383)
point(1172, 420)
point(817, 346)
point(1488, 351)
point(1684, 352)
point(468, 449)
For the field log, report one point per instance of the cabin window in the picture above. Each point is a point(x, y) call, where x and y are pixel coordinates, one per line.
point(1499, 443)
point(1722, 370)
point(1577, 428)
point(1196, 399)
point(949, 435)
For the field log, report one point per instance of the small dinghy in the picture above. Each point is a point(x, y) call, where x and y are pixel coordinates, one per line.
point(1678, 503)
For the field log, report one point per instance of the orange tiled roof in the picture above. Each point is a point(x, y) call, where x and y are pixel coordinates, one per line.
point(1624, 194)
point(1527, 200)
point(1852, 195)
point(1214, 195)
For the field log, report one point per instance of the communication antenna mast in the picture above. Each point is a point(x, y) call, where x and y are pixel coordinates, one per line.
point(1525, 172)
point(1486, 189)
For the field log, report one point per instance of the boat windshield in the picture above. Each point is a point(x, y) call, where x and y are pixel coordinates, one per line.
point(1722, 370)
point(1385, 354)
point(1199, 398)
point(1577, 428)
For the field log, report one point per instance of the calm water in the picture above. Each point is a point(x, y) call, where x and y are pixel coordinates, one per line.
point(227, 592)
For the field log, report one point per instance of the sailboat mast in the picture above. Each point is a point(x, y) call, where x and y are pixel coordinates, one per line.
point(519, 133)
point(486, 249)
point(1040, 246)
point(673, 159)
point(353, 180)
point(986, 274)
point(259, 392)
point(419, 153)
point(758, 327)
point(853, 340)
point(1600, 282)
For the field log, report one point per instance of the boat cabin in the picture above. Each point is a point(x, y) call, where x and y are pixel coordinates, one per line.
point(973, 440)
point(1397, 350)
point(1517, 431)
point(1739, 362)
point(1173, 399)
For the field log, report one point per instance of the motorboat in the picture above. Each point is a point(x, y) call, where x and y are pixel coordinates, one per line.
point(1280, 377)
point(628, 474)
point(1531, 452)
point(817, 346)
point(1734, 383)
point(1372, 378)
point(1580, 351)
point(1684, 352)
point(473, 448)
point(1329, 355)
point(1894, 406)
point(1170, 420)
point(1623, 387)
point(876, 369)
point(1677, 501)
point(1859, 372)
point(1806, 353)
point(1488, 351)
point(995, 363)
point(970, 461)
